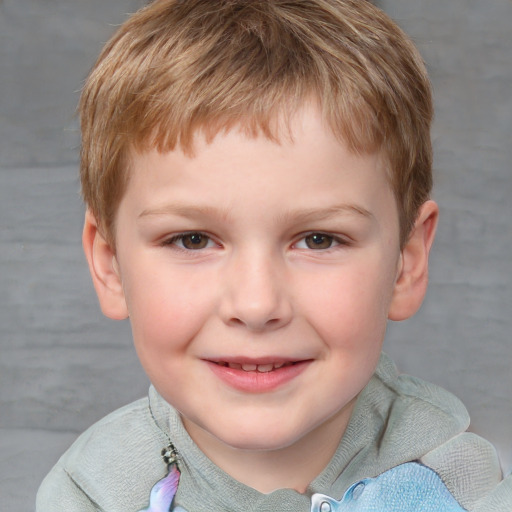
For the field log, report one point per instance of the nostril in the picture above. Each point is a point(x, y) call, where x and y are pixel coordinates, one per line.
point(256, 324)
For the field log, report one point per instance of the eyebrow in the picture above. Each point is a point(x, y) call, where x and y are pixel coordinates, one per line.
point(182, 210)
point(318, 214)
point(302, 215)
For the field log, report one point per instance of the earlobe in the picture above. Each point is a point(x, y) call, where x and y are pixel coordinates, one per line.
point(412, 280)
point(104, 270)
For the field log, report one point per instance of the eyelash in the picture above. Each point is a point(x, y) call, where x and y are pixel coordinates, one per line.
point(182, 236)
point(333, 241)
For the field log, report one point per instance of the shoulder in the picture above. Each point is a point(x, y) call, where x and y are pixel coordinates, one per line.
point(420, 396)
point(422, 421)
point(58, 492)
point(111, 465)
point(470, 468)
point(411, 416)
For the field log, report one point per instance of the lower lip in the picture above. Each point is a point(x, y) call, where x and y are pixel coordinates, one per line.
point(257, 382)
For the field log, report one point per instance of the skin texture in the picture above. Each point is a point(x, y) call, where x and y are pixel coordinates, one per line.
point(256, 252)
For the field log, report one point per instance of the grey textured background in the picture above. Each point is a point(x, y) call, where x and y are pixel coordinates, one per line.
point(62, 366)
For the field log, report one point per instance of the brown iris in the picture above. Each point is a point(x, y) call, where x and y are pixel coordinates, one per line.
point(194, 241)
point(318, 241)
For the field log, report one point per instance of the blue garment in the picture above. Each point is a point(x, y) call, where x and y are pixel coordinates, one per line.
point(410, 487)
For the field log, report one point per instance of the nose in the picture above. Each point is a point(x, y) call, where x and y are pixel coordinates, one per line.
point(255, 293)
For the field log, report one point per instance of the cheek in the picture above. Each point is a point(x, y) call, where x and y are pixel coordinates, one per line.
point(350, 306)
point(166, 310)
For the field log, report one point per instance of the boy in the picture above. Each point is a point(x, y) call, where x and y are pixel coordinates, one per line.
point(257, 179)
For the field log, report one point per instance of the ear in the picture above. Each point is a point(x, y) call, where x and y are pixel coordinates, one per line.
point(412, 280)
point(104, 270)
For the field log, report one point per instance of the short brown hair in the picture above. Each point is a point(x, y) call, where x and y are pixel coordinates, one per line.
point(178, 66)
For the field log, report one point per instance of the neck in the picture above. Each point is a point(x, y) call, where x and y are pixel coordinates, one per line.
point(290, 467)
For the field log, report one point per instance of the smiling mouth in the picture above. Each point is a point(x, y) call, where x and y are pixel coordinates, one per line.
point(257, 376)
point(252, 367)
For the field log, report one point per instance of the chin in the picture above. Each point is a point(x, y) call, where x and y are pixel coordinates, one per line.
point(268, 439)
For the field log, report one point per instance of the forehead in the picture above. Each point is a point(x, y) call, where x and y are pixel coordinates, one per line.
point(308, 168)
point(277, 123)
point(302, 122)
point(302, 129)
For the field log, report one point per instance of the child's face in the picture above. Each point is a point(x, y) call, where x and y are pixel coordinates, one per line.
point(258, 279)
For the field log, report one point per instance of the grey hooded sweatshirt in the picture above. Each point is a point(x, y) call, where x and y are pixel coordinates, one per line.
point(113, 466)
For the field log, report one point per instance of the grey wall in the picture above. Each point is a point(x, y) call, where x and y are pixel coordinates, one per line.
point(62, 366)
point(462, 338)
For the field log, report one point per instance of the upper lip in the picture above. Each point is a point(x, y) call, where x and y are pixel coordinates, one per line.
point(256, 360)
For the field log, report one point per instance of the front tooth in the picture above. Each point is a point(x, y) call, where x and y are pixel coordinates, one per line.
point(249, 367)
point(278, 365)
point(265, 368)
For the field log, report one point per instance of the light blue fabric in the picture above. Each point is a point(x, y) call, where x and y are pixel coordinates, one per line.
point(410, 487)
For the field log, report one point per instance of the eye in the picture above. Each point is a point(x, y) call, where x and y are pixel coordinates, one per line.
point(192, 241)
point(318, 241)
